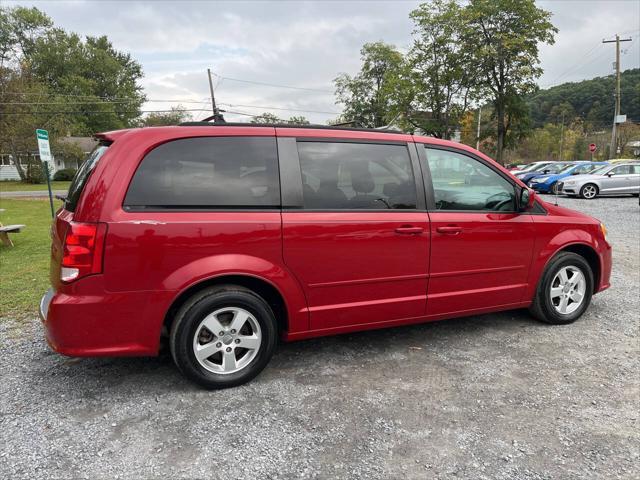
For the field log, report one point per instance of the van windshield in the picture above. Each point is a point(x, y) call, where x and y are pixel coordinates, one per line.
point(81, 177)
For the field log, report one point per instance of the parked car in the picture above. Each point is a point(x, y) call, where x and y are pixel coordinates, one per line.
point(530, 167)
point(512, 167)
point(616, 179)
point(549, 168)
point(549, 183)
point(224, 239)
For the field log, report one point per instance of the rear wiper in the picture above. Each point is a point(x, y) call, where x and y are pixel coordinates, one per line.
point(60, 197)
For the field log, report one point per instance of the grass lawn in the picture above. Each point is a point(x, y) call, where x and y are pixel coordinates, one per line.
point(14, 186)
point(24, 268)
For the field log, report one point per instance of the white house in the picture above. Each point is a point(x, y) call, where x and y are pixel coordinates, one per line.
point(8, 169)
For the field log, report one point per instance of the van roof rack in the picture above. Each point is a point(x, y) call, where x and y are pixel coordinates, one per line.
point(286, 125)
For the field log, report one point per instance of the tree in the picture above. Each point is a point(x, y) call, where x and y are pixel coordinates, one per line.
point(627, 132)
point(298, 120)
point(502, 37)
point(368, 96)
point(174, 117)
point(435, 92)
point(94, 86)
point(19, 29)
point(590, 99)
point(266, 117)
point(102, 82)
point(18, 121)
point(55, 80)
point(270, 118)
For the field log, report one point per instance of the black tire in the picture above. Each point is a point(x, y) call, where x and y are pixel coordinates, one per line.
point(542, 307)
point(582, 191)
point(191, 314)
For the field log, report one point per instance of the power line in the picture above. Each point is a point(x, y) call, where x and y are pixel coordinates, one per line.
point(105, 102)
point(97, 102)
point(583, 58)
point(253, 82)
point(264, 107)
point(576, 66)
point(279, 108)
point(102, 112)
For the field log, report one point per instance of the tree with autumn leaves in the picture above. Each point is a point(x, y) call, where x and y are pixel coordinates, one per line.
point(482, 52)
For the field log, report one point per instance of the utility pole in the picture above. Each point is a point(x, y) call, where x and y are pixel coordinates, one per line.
point(613, 151)
point(562, 136)
point(478, 134)
point(217, 117)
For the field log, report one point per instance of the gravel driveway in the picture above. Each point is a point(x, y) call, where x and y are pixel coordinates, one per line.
point(492, 396)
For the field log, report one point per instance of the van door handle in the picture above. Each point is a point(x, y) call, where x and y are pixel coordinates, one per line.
point(409, 230)
point(449, 230)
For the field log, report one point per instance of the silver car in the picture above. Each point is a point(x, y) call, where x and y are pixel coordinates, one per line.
point(620, 178)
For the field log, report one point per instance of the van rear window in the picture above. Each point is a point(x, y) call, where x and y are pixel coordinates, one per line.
point(81, 177)
point(207, 173)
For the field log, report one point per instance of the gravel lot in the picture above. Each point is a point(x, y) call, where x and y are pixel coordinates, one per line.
point(493, 396)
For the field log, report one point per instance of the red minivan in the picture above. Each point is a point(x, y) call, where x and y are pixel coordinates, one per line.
point(225, 238)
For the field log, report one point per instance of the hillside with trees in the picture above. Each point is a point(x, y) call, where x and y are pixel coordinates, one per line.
point(590, 100)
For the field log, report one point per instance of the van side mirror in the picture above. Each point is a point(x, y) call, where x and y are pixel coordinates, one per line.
point(527, 199)
point(610, 174)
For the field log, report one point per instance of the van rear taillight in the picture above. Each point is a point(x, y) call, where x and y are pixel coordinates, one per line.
point(82, 250)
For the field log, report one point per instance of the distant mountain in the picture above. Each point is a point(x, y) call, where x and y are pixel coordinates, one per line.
point(592, 100)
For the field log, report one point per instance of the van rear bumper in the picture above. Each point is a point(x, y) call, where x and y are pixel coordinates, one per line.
point(105, 324)
point(44, 304)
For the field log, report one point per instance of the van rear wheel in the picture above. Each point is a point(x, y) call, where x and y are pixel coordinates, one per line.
point(564, 291)
point(223, 336)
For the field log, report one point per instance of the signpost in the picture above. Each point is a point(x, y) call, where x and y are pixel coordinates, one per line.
point(592, 149)
point(45, 157)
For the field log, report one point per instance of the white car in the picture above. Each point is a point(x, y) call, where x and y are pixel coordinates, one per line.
point(621, 178)
point(530, 167)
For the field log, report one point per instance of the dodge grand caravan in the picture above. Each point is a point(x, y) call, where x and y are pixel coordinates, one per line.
point(224, 239)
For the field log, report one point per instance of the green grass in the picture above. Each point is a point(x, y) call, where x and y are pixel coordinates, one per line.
point(24, 268)
point(15, 186)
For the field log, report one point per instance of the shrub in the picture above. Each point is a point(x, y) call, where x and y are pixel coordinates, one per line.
point(34, 174)
point(64, 174)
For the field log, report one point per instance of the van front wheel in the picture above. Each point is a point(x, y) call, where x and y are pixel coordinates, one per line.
point(564, 291)
point(223, 336)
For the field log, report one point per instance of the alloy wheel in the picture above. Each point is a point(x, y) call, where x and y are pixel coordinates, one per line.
point(589, 191)
point(227, 340)
point(568, 290)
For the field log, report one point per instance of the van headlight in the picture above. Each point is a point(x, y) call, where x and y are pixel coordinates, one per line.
point(603, 229)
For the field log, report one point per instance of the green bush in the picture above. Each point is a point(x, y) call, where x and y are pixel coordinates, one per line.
point(64, 174)
point(34, 173)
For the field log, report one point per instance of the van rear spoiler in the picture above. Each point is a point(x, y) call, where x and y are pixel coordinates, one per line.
point(112, 136)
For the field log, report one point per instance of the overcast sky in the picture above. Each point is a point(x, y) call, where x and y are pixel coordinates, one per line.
point(306, 45)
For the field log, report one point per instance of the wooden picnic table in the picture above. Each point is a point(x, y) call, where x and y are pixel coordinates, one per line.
point(5, 230)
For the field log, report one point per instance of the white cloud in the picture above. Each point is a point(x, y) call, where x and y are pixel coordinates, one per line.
point(307, 44)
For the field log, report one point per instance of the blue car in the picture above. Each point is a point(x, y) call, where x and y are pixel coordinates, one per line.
point(548, 182)
point(542, 169)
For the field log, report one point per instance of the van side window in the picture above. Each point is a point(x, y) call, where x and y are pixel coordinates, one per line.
point(356, 176)
point(464, 183)
point(208, 172)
